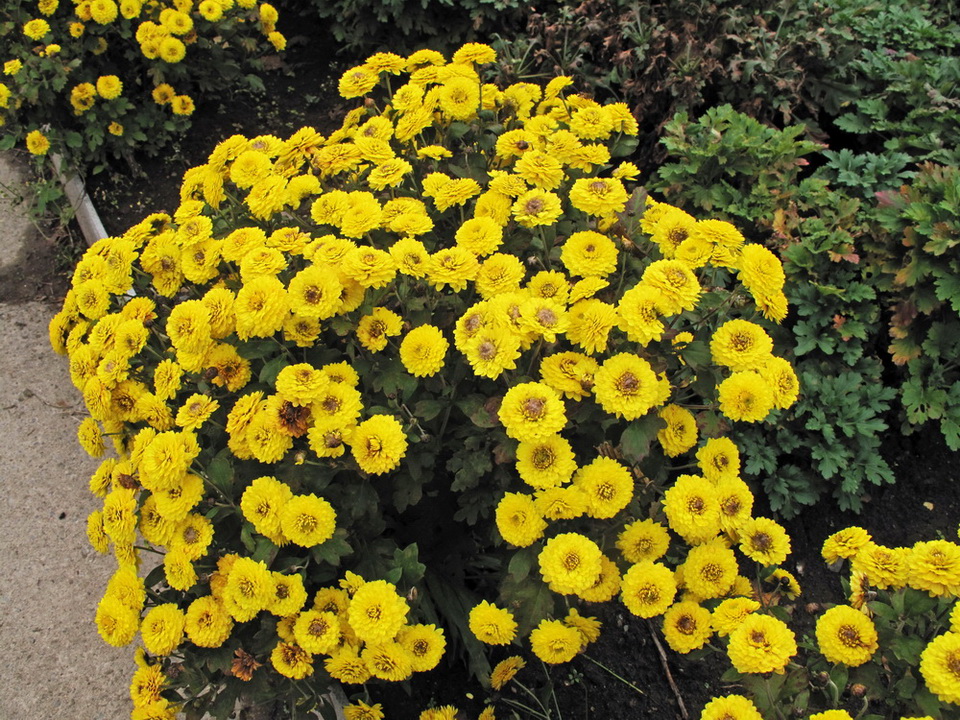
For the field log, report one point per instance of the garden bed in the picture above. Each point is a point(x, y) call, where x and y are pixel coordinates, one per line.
point(924, 501)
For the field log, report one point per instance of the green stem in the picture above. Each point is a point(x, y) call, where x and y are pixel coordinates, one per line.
point(604, 667)
point(532, 711)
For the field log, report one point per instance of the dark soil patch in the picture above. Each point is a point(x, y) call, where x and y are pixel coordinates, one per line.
point(301, 91)
point(41, 273)
point(923, 504)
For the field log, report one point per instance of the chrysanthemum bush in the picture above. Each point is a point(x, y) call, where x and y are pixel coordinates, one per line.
point(435, 384)
point(98, 79)
point(890, 652)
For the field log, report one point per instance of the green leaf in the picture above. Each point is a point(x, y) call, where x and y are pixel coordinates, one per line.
point(948, 289)
point(7, 142)
point(696, 354)
point(268, 375)
point(907, 648)
point(917, 602)
point(256, 349)
point(951, 432)
point(635, 440)
point(264, 551)
point(624, 146)
point(407, 493)
point(928, 703)
point(333, 549)
point(226, 701)
point(408, 560)
point(220, 473)
point(906, 687)
point(427, 410)
point(522, 561)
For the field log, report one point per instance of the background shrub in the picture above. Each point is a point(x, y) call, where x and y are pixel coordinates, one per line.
point(101, 81)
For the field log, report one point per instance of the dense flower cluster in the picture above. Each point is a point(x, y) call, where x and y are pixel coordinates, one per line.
point(59, 88)
point(277, 363)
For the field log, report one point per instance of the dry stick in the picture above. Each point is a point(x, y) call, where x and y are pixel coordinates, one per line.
point(666, 669)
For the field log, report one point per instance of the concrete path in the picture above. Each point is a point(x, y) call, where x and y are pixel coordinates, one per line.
point(52, 662)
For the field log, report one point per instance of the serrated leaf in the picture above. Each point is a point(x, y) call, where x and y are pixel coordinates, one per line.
point(948, 289)
point(220, 473)
point(907, 648)
point(636, 438)
point(427, 410)
point(951, 432)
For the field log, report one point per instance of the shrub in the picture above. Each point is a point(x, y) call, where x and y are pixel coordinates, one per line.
point(730, 164)
point(889, 651)
point(96, 80)
point(363, 25)
point(662, 58)
point(914, 260)
point(435, 380)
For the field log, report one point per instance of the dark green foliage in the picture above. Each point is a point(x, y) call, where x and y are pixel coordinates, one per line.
point(827, 443)
point(400, 25)
point(917, 265)
point(666, 57)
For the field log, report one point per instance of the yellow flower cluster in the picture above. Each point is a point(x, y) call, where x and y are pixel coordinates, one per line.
point(147, 35)
point(196, 340)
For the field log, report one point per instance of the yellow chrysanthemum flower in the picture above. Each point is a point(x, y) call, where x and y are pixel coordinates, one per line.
point(730, 613)
point(553, 642)
point(692, 508)
point(376, 612)
point(648, 589)
point(249, 589)
point(741, 345)
point(422, 351)
point(424, 644)
point(680, 433)
point(547, 462)
point(935, 568)
point(519, 520)
point(883, 567)
point(782, 379)
point(530, 411)
point(375, 329)
point(687, 626)
point(505, 671)
point(207, 622)
point(536, 208)
point(764, 541)
point(570, 563)
point(730, 707)
point(940, 667)
point(710, 569)
point(388, 661)
point(291, 660)
point(745, 396)
point(307, 520)
point(625, 385)
point(719, 458)
point(846, 635)
point(607, 485)
point(761, 644)
point(492, 625)
point(378, 444)
point(844, 544)
point(162, 629)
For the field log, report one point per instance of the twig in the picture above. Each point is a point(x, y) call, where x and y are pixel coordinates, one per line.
point(666, 669)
